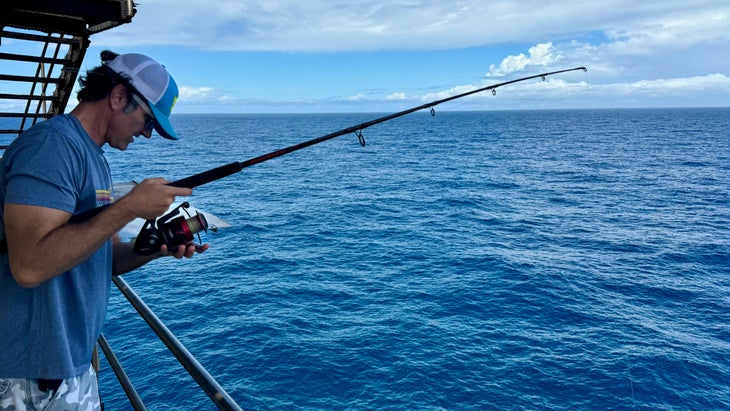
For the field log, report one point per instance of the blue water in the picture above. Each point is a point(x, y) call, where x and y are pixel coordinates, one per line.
point(518, 260)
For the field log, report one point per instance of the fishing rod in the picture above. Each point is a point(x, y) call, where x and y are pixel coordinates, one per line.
point(232, 168)
point(181, 230)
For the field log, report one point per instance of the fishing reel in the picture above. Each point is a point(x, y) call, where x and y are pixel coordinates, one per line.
point(172, 229)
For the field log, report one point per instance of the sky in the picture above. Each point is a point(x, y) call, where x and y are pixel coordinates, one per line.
point(243, 56)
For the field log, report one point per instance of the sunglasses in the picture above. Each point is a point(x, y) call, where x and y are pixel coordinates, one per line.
point(151, 123)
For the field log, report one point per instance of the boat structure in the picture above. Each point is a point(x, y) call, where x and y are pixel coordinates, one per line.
point(42, 46)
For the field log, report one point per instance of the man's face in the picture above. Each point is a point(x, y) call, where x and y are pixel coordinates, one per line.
point(126, 126)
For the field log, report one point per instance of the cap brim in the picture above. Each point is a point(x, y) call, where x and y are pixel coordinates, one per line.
point(163, 126)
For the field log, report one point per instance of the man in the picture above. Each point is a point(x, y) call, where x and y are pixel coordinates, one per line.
point(55, 276)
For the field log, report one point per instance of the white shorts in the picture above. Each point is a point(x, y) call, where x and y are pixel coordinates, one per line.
point(77, 393)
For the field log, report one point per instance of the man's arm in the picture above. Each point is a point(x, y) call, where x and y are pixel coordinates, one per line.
point(43, 244)
point(126, 260)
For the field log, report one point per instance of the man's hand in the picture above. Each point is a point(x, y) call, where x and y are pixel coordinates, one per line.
point(126, 260)
point(187, 250)
point(151, 198)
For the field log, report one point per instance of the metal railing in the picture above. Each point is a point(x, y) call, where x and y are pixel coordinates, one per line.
point(134, 399)
point(205, 380)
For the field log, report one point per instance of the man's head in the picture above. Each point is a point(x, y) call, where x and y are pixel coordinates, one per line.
point(147, 83)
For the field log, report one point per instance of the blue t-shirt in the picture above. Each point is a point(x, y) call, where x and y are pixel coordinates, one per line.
point(50, 331)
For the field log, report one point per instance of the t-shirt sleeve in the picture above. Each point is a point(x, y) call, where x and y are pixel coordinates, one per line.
point(44, 173)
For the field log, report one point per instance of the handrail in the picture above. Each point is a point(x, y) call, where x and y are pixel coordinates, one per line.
point(206, 381)
point(34, 59)
point(29, 115)
point(29, 79)
point(10, 96)
point(35, 37)
point(134, 398)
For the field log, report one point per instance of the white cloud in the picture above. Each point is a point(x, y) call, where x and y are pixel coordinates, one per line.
point(672, 31)
point(652, 48)
point(571, 86)
point(198, 95)
point(539, 55)
point(7, 105)
point(714, 83)
point(416, 24)
point(396, 96)
point(188, 93)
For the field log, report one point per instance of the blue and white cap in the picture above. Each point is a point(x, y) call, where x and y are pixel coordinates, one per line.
point(155, 84)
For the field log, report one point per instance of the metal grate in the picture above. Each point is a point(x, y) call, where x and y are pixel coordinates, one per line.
point(41, 72)
point(42, 46)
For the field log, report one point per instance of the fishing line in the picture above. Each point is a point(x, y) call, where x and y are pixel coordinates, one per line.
point(591, 100)
point(631, 380)
point(628, 365)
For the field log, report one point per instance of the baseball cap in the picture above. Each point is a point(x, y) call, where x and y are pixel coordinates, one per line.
point(154, 83)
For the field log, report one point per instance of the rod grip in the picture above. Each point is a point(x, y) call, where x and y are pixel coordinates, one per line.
point(189, 182)
point(207, 176)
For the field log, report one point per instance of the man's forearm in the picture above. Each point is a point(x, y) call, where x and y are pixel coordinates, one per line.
point(124, 259)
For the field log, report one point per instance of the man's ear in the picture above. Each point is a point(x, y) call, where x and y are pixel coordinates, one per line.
point(118, 97)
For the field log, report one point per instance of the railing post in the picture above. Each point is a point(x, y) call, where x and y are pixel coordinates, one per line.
point(211, 387)
point(134, 398)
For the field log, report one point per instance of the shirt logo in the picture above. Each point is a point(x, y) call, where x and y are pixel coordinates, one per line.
point(103, 197)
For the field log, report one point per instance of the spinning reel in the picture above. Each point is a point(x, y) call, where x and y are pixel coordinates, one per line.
point(170, 231)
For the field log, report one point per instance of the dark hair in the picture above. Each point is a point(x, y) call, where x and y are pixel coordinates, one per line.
point(99, 82)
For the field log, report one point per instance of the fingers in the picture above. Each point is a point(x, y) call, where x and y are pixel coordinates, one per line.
point(184, 251)
point(152, 197)
point(161, 184)
point(200, 248)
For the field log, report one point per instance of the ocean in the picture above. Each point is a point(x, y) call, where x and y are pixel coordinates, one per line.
point(496, 260)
